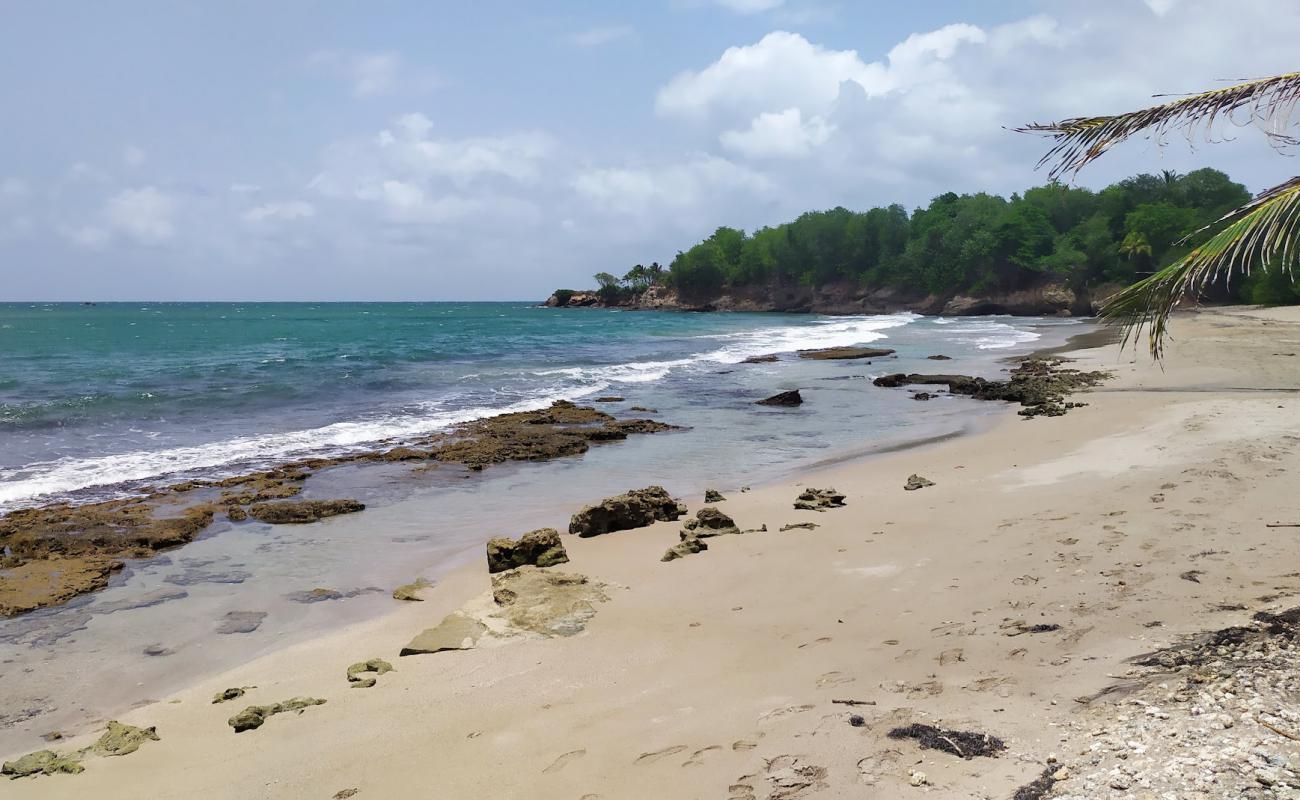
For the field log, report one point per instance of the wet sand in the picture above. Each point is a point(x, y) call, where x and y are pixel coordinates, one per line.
point(716, 675)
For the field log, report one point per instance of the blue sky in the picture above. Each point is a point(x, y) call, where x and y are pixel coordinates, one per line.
point(496, 150)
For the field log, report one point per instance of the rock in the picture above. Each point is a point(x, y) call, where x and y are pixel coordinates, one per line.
point(193, 575)
point(301, 512)
point(236, 513)
point(241, 622)
point(253, 717)
point(344, 794)
point(409, 591)
point(786, 399)
point(546, 602)
point(818, 500)
point(1040, 385)
point(156, 650)
point(634, 509)
point(121, 740)
point(644, 410)
point(713, 496)
point(403, 454)
point(457, 631)
point(230, 694)
point(765, 359)
point(915, 482)
point(807, 526)
point(921, 395)
point(146, 600)
point(708, 522)
point(539, 548)
point(686, 547)
point(319, 595)
point(939, 358)
point(612, 398)
point(356, 673)
point(42, 762)
point(917, 778)
point(842, 353)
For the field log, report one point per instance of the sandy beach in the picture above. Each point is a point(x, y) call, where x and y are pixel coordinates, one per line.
point(1128, 523)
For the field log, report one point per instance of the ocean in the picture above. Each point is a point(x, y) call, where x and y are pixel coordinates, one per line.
point(96, 398)
point(99, 401)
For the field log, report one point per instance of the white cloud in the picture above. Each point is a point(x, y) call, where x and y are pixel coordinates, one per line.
point(133, 156)
point(143, 214)
point(672, 188)
point(290, 210)
point(1161, 7)
point(594, 37)
point(750, 6)
point(408, 148)
point(781, 134)
point(784, 70)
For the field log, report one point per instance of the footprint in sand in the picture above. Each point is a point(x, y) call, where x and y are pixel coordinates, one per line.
point(834, 679)
point(951, 656)
point(698, 756)
point(786, 711)
point(650, 758)
point(873, 766)
point(559, 763)
point(745, 744)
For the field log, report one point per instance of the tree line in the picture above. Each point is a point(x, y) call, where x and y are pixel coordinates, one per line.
point(972, 243)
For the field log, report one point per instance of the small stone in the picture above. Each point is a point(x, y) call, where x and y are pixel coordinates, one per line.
point(915, 482)
point(917, 778)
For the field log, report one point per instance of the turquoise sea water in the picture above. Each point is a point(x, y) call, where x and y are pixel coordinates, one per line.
point(94, 398)
point(99, 400)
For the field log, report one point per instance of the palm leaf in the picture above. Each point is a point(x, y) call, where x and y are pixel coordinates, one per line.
point(1262, 233)
point(1268, 103)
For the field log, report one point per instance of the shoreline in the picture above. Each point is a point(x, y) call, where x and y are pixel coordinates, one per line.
point(624, 560)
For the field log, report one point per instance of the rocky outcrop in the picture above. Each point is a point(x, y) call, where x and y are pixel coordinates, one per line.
point(915, 482)
point(539, 548)
point(411, 591)
point(845, 353)
point(357, 673)
point(684, 548)
point(713, 496)
point(545, 602)
point(766, 359)
point(301, 512)
point(783, 399)
point(457, 631)
point(233, 693)
point(633, 509)
point(253, 717)
point(1040, 385)
point(121, 740)
point(1049, 297)
point(42, 762)
point(818, 500)
point(708, 522)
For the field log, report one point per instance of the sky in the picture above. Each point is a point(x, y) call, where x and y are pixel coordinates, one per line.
point(308, 150)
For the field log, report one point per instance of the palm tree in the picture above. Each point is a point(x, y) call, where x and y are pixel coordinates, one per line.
point(1135, 244)
point(1262, 234)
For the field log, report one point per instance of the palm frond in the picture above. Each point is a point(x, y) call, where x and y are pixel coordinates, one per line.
point(1262, 234)
point(1268, 103)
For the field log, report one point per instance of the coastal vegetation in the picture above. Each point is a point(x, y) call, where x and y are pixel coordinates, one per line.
point(971, 244)
point(1254, 238)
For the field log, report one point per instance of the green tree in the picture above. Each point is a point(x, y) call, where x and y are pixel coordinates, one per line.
point(1259, 233)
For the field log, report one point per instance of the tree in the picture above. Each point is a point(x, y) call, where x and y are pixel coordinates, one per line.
point(1135, 244)
point(1260, 233)
point(610, 291)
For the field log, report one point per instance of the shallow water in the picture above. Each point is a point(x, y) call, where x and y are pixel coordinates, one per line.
point(63, 667)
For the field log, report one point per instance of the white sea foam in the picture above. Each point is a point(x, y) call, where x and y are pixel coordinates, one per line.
point(985, 334)
point(32, 482)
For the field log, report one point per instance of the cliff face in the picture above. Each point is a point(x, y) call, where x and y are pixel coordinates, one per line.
point(1047, 299)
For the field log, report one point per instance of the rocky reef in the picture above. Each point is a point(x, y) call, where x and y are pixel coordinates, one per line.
point(1041, 385)
point(818, 500)
point(633, 509)
point(52, 553)
point(254, 717)
point(539, 548)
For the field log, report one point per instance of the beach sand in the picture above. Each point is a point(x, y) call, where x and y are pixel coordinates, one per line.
point(715, 676)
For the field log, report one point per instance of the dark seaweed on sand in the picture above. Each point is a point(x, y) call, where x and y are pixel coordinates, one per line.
point(965, 744)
